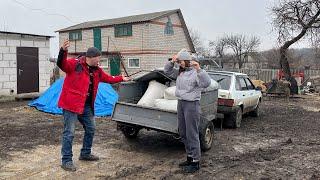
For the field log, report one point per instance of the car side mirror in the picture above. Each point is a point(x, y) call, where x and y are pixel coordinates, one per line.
point(258, 88)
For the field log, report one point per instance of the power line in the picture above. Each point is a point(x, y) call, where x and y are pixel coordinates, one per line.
point(42, 10)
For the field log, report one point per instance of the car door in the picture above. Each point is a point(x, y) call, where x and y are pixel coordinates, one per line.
point(242, 93)
point(253, 93)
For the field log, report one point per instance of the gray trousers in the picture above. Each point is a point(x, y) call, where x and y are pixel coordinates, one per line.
point(188, 124)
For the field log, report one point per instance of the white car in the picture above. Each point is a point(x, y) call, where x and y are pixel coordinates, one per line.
point(237, 96)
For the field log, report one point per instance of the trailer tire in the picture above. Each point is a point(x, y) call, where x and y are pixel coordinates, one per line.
point(206, 134)
point(130, 132)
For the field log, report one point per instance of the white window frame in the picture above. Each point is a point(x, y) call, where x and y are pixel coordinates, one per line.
point(131, 66)
point(107, 60)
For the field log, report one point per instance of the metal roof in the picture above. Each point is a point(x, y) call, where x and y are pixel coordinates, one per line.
point(121, 20)
point(27, 34)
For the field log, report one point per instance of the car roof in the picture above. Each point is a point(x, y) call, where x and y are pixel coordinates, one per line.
point(227, 73)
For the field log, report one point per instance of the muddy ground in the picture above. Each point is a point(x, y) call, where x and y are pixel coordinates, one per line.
point(283, 143)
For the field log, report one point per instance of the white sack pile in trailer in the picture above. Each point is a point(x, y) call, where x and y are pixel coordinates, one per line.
point(155, 91)
point(165, 104)
point(170, 92)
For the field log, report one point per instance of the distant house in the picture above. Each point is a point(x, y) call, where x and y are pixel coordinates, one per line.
point(24, 64)
point(143, 42)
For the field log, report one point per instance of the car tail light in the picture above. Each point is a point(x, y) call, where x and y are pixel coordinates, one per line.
point(225, 102)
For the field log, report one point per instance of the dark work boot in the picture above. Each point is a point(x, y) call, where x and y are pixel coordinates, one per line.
point(69, 166)
point(186, 163)
point(90, 157)
point(192, 167)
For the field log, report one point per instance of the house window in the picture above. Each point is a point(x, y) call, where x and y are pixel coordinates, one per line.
point(75, 35)
point(123, 30)
point(134, 63)
point(168, 30)
point(104, 63)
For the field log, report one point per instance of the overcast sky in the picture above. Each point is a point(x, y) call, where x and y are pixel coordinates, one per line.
point(211, 18)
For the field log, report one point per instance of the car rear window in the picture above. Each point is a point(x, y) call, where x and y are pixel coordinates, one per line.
point(223, 80)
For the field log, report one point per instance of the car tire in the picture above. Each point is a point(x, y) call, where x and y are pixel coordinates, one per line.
point(233, 120)
point(206, 133)
point(256, 111)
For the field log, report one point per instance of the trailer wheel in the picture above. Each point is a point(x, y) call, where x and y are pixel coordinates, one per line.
point(130, 132)
point(206, 132)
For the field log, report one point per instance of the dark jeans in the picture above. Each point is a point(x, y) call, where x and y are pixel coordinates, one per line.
point(88, 122)
point(188, 125)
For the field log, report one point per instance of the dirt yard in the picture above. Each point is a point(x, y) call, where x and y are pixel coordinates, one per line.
point(283, 143)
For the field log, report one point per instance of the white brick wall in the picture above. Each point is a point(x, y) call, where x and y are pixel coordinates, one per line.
point(13, 42)
point(3, 42)
point(27, 43)
point(39, 44)
point(4, 78)
point(4, 63)
point(4, 49)
point(9, 57)
point(9, 85)
point(8, 61)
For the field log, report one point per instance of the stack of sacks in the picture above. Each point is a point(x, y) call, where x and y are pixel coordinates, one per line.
point(170, 101)
point(155, 91)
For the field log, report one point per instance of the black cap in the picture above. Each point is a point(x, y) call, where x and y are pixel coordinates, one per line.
point(93, 52)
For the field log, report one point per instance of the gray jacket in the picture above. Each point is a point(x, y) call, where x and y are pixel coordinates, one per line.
point(189, 83)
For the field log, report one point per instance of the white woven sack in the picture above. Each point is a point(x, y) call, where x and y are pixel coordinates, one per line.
point(167, 105)
point(170, 92)
point(155, 91)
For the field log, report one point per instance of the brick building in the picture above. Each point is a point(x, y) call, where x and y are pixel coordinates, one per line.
point(24, 63)
point(144, 41)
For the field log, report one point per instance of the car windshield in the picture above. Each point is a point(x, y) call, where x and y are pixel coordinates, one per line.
point(223, 80)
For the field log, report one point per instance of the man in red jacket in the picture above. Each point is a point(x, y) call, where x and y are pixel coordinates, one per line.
point(77, 100)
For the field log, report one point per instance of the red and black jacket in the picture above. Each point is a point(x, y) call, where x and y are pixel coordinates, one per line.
point(76, 84)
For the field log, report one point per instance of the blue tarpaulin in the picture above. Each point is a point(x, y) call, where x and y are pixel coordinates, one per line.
point(103, 105)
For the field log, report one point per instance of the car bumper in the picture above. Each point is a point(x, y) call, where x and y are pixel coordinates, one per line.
point(226, 109)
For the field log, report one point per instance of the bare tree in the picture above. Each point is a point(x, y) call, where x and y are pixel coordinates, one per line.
point(197, 42)
point(295, 19)
point(218, 47)
point(242, 47)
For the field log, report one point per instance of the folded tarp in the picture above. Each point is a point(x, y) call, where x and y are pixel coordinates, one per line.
point(103, 105)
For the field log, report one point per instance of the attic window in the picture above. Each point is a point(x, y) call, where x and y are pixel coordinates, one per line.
point(169, 28)
point(123, 30)
point(75, 35)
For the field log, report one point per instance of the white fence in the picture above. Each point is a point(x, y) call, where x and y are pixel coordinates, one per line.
point(267, 75)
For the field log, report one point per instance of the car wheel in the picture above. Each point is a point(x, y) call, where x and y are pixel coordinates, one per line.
point(234, 119)
point(256, 111)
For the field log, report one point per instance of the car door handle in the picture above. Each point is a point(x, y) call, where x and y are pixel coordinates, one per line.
point(243, 95)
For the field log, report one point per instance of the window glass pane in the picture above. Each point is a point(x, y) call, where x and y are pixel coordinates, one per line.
point(223, 80)
point(134, 63)
point(104, 62)
point(249, 84)
point(243, 84)
point(238, 87)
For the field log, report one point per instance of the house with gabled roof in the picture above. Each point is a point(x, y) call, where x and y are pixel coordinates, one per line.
point(139, 42)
